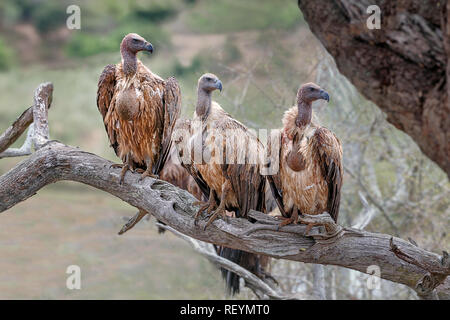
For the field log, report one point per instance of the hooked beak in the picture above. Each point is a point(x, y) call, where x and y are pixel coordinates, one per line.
point(148, 47)
point(324, 95)
point(219, 85)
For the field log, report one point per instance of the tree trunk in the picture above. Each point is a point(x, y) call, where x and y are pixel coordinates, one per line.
point(402, 67)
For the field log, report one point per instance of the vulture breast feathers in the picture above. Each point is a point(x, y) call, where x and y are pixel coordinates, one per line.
point(139, 108)
point(310, 173)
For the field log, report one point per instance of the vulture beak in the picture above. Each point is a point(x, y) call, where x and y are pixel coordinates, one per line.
point(324, 95)
point(219, 85)
point(148, 47)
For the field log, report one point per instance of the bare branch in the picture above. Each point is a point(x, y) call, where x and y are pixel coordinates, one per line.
point(24, 150)
point(39, 111)
point(42, 101)
point(16, 129)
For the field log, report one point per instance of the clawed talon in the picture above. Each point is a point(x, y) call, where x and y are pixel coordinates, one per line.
point(125, 168)
point(309, 227)
point(148, 173)
point(286, 221)
point(208, 206)
point(133, 221)
point(220, 211)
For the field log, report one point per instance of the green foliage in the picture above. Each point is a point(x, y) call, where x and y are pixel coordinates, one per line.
point(237, 15)
point(154, 11)
point(49, 15)
point(6, 56)
point(45, 15)
point(84, 44)
point(182, 71)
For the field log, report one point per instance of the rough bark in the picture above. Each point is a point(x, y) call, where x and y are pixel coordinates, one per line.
point(346, 247)
point(402, 67)
point(42, 101)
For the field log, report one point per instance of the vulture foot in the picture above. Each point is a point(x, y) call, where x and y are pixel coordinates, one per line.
point(133, 221)
point(208, 206)
point(286, 221)
point(147, 173)
point(220, 211)
point(125, 168)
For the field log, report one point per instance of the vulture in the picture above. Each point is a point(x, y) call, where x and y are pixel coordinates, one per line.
point(228, 171)
point(139, 111)
point(175, 174)
point(309, 178)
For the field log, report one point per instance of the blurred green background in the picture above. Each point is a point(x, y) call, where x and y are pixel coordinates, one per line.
point(262, 50)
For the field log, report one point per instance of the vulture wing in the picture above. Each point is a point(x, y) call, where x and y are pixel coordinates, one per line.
point(172, 107)
point(181, 135)
point(329, 150)
point(105, 91)
point(273, 153)
point(246, 180)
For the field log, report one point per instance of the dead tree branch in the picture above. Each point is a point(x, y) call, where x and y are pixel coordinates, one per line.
point(349, 248)
point(42, 101)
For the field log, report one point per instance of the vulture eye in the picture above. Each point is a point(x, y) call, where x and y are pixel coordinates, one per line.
point(208, 79)
point(135, 40)
point(311, 89)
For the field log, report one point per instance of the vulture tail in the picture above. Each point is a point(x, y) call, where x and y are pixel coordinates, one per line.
point(245, 259)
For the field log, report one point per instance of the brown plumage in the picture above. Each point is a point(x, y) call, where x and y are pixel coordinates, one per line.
point(139, 110)
point(229, 171)
point(310, 162)
point(175, 174)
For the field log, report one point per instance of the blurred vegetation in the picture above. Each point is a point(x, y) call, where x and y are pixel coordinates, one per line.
point(84, 44)
point(237, 15)
point(6, 56)
point(45, 15)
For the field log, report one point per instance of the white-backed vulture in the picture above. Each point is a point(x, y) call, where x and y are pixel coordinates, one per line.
point(174, 173)
point(310, 172)
point(228, 172)
point(139, 110)
point(177, 175)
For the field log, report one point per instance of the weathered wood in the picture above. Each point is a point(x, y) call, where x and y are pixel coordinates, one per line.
point(402, 67)
point(349, 248)
point(16, 129)
point(24, 150)
point(41, 103)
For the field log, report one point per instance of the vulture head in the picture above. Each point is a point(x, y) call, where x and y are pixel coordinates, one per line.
point(134, 43)
point(209, 82)
point(310, 92)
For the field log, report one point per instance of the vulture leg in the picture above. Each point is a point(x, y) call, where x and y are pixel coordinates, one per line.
point(209, 206)
point(125, 167)
point(132, 222)
point(292, 219)
point(148, 172)
point(226, 188)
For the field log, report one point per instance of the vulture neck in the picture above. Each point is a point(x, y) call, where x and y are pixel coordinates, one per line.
point(203, 103)
point(304, 114)
point(129, 61)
